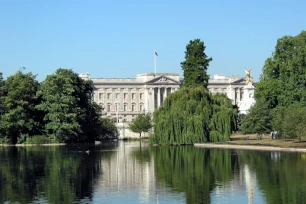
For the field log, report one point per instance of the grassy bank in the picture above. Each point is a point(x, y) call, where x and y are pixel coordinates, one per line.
point(265, 141)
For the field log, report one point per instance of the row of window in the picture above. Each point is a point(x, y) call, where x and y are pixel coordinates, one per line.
point(125, 107)
point(117, 95)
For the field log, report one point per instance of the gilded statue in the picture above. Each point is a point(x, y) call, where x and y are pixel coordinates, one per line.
point(248, 78)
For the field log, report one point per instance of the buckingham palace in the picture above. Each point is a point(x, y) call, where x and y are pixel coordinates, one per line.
point(125, 98)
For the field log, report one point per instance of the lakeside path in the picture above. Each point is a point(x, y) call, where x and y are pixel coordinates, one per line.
point(249, 147)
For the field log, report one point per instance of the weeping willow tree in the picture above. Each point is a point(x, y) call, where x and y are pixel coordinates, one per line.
point(193, 115)
point(224, 119)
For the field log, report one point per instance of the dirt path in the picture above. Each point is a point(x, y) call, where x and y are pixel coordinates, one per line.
point(249, 147)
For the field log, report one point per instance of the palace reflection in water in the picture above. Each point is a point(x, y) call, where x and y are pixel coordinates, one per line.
point(131, 169)
point(133, 172)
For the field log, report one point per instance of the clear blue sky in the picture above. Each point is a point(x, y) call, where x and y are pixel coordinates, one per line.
point(115, 39)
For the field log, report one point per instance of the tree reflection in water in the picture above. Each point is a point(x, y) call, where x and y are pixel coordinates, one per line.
point(193, 170)
point(58, 174)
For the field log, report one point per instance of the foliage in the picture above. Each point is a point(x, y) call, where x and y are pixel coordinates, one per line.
point(107, 129)
point(194, 171)
point(38, 140)
point(224, 119)
point(196, 64)
point(240, 118)
point(2, 107)
point(70, 113)
point(290, 121)
point(142, 123)
point(283, 80)
point(19, 100)
point(282, 88)
point(258, 119)
point(192, 115)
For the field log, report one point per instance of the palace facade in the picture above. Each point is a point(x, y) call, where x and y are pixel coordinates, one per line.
point(125, 98)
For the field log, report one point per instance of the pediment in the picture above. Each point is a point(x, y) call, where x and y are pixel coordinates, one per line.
point(239, 81)
point(162, 80)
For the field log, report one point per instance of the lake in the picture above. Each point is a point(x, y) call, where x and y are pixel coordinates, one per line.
point(134, 172)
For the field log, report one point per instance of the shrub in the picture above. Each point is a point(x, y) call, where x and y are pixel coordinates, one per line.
point(38, 140)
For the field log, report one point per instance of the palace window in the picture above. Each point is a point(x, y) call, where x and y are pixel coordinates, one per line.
point(108, 107)
point(125, 107)
point(109, 96)
point(125, 95)
point(140, 107)
point(133, 95)
point(133, 107)
point(100, 96)
point(117, 106)
point(117, 95)
point(141, 96)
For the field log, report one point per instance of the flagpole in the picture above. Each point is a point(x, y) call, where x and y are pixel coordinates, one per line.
point(154, 61)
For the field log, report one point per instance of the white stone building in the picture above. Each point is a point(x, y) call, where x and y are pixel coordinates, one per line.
point(235, 88)
point(125, 98)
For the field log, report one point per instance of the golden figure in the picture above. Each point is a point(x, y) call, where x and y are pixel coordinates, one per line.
point(248, 76)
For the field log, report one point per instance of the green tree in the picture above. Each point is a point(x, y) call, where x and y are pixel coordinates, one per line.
point(283, 81)
point(290, 121)
point(196, 64)
point(282, 85)
point(1, 95)
point(70, 113)
point(19, 101)
point(258, 119)
point(107, 129)
point(192, 115)
point(142, 123)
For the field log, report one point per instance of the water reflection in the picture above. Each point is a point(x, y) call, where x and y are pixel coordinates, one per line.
point(48, 174)
point(129, 176)
point(133, 172)
point(280, 176)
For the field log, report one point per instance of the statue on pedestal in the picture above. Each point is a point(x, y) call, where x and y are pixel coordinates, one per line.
point(248, 78)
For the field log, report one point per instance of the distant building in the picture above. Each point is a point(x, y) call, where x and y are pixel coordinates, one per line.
point(125, 98)
point(235, 88)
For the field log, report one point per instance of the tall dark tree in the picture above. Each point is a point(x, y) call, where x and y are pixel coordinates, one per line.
point(196, 64)
point(19, 117)
point(192, 114)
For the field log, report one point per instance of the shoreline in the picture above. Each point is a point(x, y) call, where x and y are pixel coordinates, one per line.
point(249, 147)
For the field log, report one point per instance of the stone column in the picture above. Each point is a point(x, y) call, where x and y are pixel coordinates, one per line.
point(158, 97)
point(146, 99)
point(165, 93)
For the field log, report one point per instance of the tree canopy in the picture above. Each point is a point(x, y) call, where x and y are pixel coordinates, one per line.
point(142, 123)
point(60, 109)
point(283, 80)
point(196, 64)
point(281, 91)
point(19, 116)
point(192, 115)
point(70, 113)
point(258, 119)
